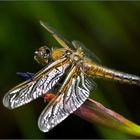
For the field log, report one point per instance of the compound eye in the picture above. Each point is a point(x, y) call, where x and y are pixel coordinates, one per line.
point(47, 50)
point(46, 53)
point(42, 55)
point(45, 56)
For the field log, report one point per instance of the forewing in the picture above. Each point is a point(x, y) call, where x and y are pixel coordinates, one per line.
point(65, 103)
point(86, 51)
point(61, 40)
point(32, 89)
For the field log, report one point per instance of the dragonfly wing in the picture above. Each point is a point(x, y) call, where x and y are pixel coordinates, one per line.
point(87, 52)
point(32, 89)
point(61, 40)
point(66, 103)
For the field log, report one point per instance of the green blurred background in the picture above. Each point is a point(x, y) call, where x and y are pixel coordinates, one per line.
point(109, 29)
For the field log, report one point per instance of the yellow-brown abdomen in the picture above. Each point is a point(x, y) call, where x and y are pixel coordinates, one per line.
point(93, 69)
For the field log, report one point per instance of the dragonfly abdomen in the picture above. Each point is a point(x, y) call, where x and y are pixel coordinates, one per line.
point(106, 73)
point(116, 75)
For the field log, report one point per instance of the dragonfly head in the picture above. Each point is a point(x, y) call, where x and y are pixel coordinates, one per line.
point(42, 55)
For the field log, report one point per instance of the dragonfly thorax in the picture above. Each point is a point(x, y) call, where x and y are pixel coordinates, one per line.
point(77, 56)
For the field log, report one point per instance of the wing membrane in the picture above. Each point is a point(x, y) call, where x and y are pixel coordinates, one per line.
point(87, 52)
point(32, 89)
point(66, 103)
point(61, 40)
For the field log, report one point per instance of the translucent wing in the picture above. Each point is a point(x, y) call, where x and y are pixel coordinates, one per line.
point(65, 103)
point(61, 40)
point(33, 88)
point(86, 51)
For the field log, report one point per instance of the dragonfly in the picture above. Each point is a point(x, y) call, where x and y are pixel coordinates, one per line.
point(69, 73)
